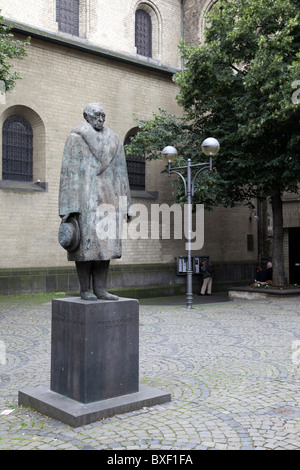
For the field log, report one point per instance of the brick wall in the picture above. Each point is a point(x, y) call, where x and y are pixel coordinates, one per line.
point(53, 97)
point(110, 24)
point(58, 81)
point(38, 13)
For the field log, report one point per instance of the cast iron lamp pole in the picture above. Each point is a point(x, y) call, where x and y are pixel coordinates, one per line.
point(210, 147)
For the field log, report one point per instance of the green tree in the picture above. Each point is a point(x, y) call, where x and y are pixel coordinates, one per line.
point(237, 87)
point(10, 49)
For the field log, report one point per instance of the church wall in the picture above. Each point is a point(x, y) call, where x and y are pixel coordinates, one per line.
point(59, 77)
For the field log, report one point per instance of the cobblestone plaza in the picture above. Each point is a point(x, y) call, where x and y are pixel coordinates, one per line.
point(232, 368)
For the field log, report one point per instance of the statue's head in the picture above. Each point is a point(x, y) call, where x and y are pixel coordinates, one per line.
point(94, 114)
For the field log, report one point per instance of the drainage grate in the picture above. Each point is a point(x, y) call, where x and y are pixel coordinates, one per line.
point(282, 410)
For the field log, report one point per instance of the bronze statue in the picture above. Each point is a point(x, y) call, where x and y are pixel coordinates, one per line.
point(93, 179)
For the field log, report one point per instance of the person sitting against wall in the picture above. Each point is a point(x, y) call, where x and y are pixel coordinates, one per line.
point(263, 278)
point(269, 273)
point(260, 275)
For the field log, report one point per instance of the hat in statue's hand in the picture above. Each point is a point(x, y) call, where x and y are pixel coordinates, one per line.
point(69, 234)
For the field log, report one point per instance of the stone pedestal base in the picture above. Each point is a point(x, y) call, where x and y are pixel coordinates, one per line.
point(94, 363)
point(77, 414)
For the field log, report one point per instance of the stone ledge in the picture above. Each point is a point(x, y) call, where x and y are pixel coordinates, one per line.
point(26, 186)
point(248, 293)
point(82, 45)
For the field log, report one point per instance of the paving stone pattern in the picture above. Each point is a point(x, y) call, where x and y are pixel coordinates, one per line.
point(232, 369)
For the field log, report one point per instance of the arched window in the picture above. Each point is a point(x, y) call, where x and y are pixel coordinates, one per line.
point(17, 149)
point(135, 169)
point(143, 33)
point(67, 16)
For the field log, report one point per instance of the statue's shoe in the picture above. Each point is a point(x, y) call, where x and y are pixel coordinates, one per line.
point(104, 295)
point(88, 296)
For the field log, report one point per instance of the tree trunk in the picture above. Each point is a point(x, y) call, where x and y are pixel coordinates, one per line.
point(277, 249)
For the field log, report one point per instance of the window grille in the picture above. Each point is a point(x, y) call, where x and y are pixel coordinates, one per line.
point(67, 16)
point(143, 33)
point(17, 149)
point(136, 170)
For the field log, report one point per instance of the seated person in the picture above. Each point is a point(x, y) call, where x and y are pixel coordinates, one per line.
point(269, 273)
point(260, 275)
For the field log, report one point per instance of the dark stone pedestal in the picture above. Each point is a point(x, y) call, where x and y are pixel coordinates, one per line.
point(94, 348)
point(94, 363)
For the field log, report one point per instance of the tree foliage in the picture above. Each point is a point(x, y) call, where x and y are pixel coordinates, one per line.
point(168, 129)
point(10, 49)
point(237, 87)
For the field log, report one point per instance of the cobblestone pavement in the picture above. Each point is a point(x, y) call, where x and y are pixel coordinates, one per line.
point(233, 370)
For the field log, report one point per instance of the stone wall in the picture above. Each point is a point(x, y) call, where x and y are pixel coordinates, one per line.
point(60, 75)
point(52, 99)
point(194, 19)
point(109, 24)
point(136, 281)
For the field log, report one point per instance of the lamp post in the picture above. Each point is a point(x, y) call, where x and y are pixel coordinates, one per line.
point(210, 147)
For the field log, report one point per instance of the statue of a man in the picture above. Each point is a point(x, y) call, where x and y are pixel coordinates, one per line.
point(93, 179)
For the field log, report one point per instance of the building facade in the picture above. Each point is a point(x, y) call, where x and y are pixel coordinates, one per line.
point(122, 54)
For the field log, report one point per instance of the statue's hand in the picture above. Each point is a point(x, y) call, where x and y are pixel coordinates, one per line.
point(64, 218)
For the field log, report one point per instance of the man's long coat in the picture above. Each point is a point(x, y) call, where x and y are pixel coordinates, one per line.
point(94, 174)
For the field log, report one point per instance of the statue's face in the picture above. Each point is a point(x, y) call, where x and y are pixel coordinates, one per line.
point(97, 118)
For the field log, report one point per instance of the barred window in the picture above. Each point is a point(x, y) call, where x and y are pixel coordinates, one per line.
point(67, 16)
point(143, 33)
point(17, 149)
point(136, 170)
